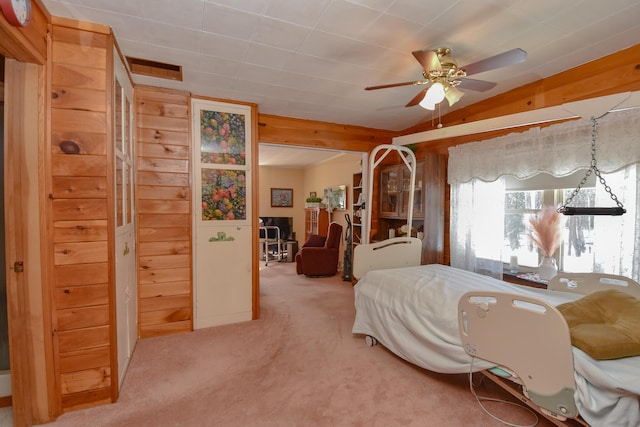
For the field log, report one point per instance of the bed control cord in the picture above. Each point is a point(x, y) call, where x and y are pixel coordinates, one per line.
point(480, 399)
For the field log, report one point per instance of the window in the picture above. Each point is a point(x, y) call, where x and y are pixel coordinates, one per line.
point(519, 207)
point(477, 173)
point(575, 253)
point(581, 235)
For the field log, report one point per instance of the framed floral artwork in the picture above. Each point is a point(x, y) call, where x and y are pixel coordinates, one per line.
point(282, 197)
point(222, 174)
point(224, 194)
point(222, 138)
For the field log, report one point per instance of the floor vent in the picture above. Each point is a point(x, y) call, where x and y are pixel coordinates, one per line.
point(161, 70)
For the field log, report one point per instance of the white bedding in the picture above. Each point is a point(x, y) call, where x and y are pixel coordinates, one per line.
point(413, 312)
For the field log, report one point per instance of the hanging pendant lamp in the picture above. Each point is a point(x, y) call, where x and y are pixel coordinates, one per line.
point(612, 211)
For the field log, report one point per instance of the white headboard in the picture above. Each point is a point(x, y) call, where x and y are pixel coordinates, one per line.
point(587, 283)
point(391, 253)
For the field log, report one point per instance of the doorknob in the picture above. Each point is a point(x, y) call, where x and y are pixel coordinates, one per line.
point(18, 267)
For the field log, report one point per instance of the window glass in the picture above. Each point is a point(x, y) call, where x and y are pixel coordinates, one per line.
point(520, 207)
point(578, 234)
point(119, 192)
point(600, 243)
point(576, 252)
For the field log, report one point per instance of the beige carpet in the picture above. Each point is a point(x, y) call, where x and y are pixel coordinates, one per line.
point(299, 365)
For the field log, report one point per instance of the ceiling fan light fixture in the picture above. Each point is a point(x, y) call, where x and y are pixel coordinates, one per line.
point(427, 104)
point(453, 95)
point(435, 94)
point(442, 76)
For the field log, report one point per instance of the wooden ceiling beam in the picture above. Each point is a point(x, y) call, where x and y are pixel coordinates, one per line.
point(317, 134)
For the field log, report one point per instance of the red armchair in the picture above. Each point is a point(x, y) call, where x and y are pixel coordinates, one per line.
point(319, 255)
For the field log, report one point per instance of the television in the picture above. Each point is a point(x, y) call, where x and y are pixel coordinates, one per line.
point(284, 223)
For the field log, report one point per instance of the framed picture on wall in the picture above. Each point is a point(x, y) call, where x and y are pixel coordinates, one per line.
point(282, 197)
point(224, 194)
point(222, 177)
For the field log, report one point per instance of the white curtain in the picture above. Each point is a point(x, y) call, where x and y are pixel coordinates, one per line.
point(477, 190)
point(477, 226)
point(557, 149)
point(618, 250)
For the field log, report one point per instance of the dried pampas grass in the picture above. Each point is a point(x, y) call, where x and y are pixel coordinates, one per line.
point(545, 233)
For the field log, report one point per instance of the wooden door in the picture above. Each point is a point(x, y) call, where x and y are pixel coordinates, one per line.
point(223, 252)
point(125, 243)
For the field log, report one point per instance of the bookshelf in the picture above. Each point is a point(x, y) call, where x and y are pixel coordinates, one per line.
point(358, 211)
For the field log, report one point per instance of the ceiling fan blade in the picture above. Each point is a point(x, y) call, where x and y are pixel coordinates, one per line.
point(477, 85)
point(419, 97)
point(509, 57)
point(428, 59)
point(417, 82)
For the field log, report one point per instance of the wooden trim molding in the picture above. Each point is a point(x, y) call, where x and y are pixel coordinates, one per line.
point(30, 349)
point(255, 238)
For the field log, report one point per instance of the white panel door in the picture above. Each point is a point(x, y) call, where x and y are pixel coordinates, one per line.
point(222, 213)
point(125, 244)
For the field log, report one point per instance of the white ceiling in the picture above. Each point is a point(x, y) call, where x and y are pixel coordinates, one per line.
point(312, 58)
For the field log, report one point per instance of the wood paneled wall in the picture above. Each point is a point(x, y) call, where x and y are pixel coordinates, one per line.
point(163, 200)
point(434, 187)
point(80, 216)
point(315, 134)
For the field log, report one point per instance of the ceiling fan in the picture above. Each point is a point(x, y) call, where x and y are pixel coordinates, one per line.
point(443, 76)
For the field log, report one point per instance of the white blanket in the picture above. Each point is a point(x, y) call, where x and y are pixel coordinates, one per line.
point(414, 313)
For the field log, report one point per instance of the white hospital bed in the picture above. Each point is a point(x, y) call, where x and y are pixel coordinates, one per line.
point(454, 321)
point(429, 315)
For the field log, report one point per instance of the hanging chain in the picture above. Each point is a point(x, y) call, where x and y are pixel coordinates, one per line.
point(594, 169)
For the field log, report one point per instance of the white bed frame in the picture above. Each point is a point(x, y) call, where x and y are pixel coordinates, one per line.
point(543, 377)
point(400, 251)
point(539, 355)
point(390, 253)
point(526, 337)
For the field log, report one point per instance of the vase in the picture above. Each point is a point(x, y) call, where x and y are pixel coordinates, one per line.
point(547, 268)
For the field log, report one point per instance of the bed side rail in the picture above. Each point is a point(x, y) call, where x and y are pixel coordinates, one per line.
point(528, 338)
point(587, 283)
point(390, 253)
